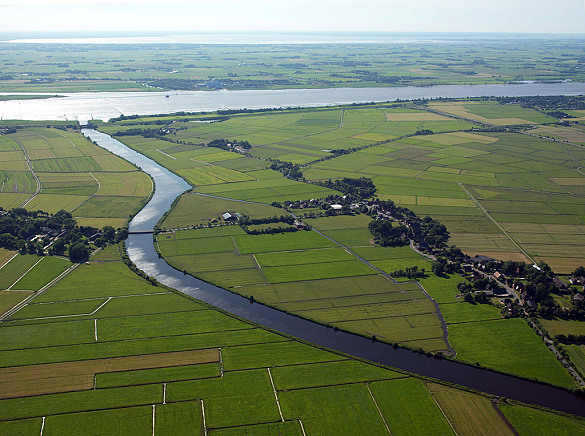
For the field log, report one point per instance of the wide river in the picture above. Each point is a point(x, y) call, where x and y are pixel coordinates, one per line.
point(104, 105)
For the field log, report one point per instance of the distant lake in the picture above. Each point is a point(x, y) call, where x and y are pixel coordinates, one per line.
point(84, 106)
point(263, 38)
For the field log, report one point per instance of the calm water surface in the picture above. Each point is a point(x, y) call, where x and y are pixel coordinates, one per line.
point(105, 105)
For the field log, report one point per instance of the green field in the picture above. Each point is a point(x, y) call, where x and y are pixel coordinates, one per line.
point(508, 345)
point(464, 60)
point(313, 386)
point(307, 274)
point(73, 174)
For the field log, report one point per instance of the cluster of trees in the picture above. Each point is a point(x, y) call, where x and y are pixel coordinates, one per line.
point(547, 102)
point(18, 227)
point(224, 144)
point(215, 83)
point(247, 221)
point(410, 272)
point(559, 114)
point(474, 291)
point(270, 230)
point(427, 232)
point(289, 220)
point(357, 189)
point(387, 235)
point(147, 133)
point(290, 170)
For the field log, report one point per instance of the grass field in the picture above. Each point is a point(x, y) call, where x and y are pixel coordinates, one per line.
point(538, 422)
point(9, 299)
point(163, 355)
point(16, 268)
point(508, 345)
point(42, 273)
point(70, 171)
point(468, 413)
point(307, 274)
point(466, 179)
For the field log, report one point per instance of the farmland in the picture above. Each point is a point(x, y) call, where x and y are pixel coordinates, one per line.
point(176, 364)
point(145, 67)
point(307, 274)
point(504, 195)
point(51, 169)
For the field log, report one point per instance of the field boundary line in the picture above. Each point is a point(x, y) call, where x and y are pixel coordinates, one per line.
point(302, 427)
point(9, 260)
point(153, 417)
point(483, 209)
point(203, 414)
point(25, 273)
point(444, 326)
point(363, 304)
point(348, 383)
point(275, 394)
point(258, 267)
point(98, 182)
point(504, 418)
point(237, 249)
point(440, 408)
point(378, 408)
point(67, 316)
point(385, 274)
point(32, 171)
point(23, 303)
point(101, 298)
point(166, 154)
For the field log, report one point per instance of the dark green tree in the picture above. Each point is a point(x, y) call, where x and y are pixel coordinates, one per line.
point(78, 252)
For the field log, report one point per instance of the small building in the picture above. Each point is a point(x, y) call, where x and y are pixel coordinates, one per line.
point(499, 276)
point(336, 206)
point(559, 284)
point(482, 259)
point(228, 216)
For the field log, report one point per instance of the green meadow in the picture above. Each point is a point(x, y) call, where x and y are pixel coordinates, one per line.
point(258, 382)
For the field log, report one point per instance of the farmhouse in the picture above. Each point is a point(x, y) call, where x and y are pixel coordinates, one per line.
point(228, 217)
point(559, 284)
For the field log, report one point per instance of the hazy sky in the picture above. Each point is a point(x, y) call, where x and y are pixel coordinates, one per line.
point(524, 16)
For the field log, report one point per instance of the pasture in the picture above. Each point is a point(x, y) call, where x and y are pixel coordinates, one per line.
point(310, 275)
point(499, 194)
point(68, 172)
point(197, 369)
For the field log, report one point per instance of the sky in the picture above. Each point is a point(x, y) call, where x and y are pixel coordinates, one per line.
point(510, 16)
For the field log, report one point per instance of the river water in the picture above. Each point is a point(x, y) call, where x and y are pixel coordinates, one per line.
point(141, 250)
point(105, 105)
